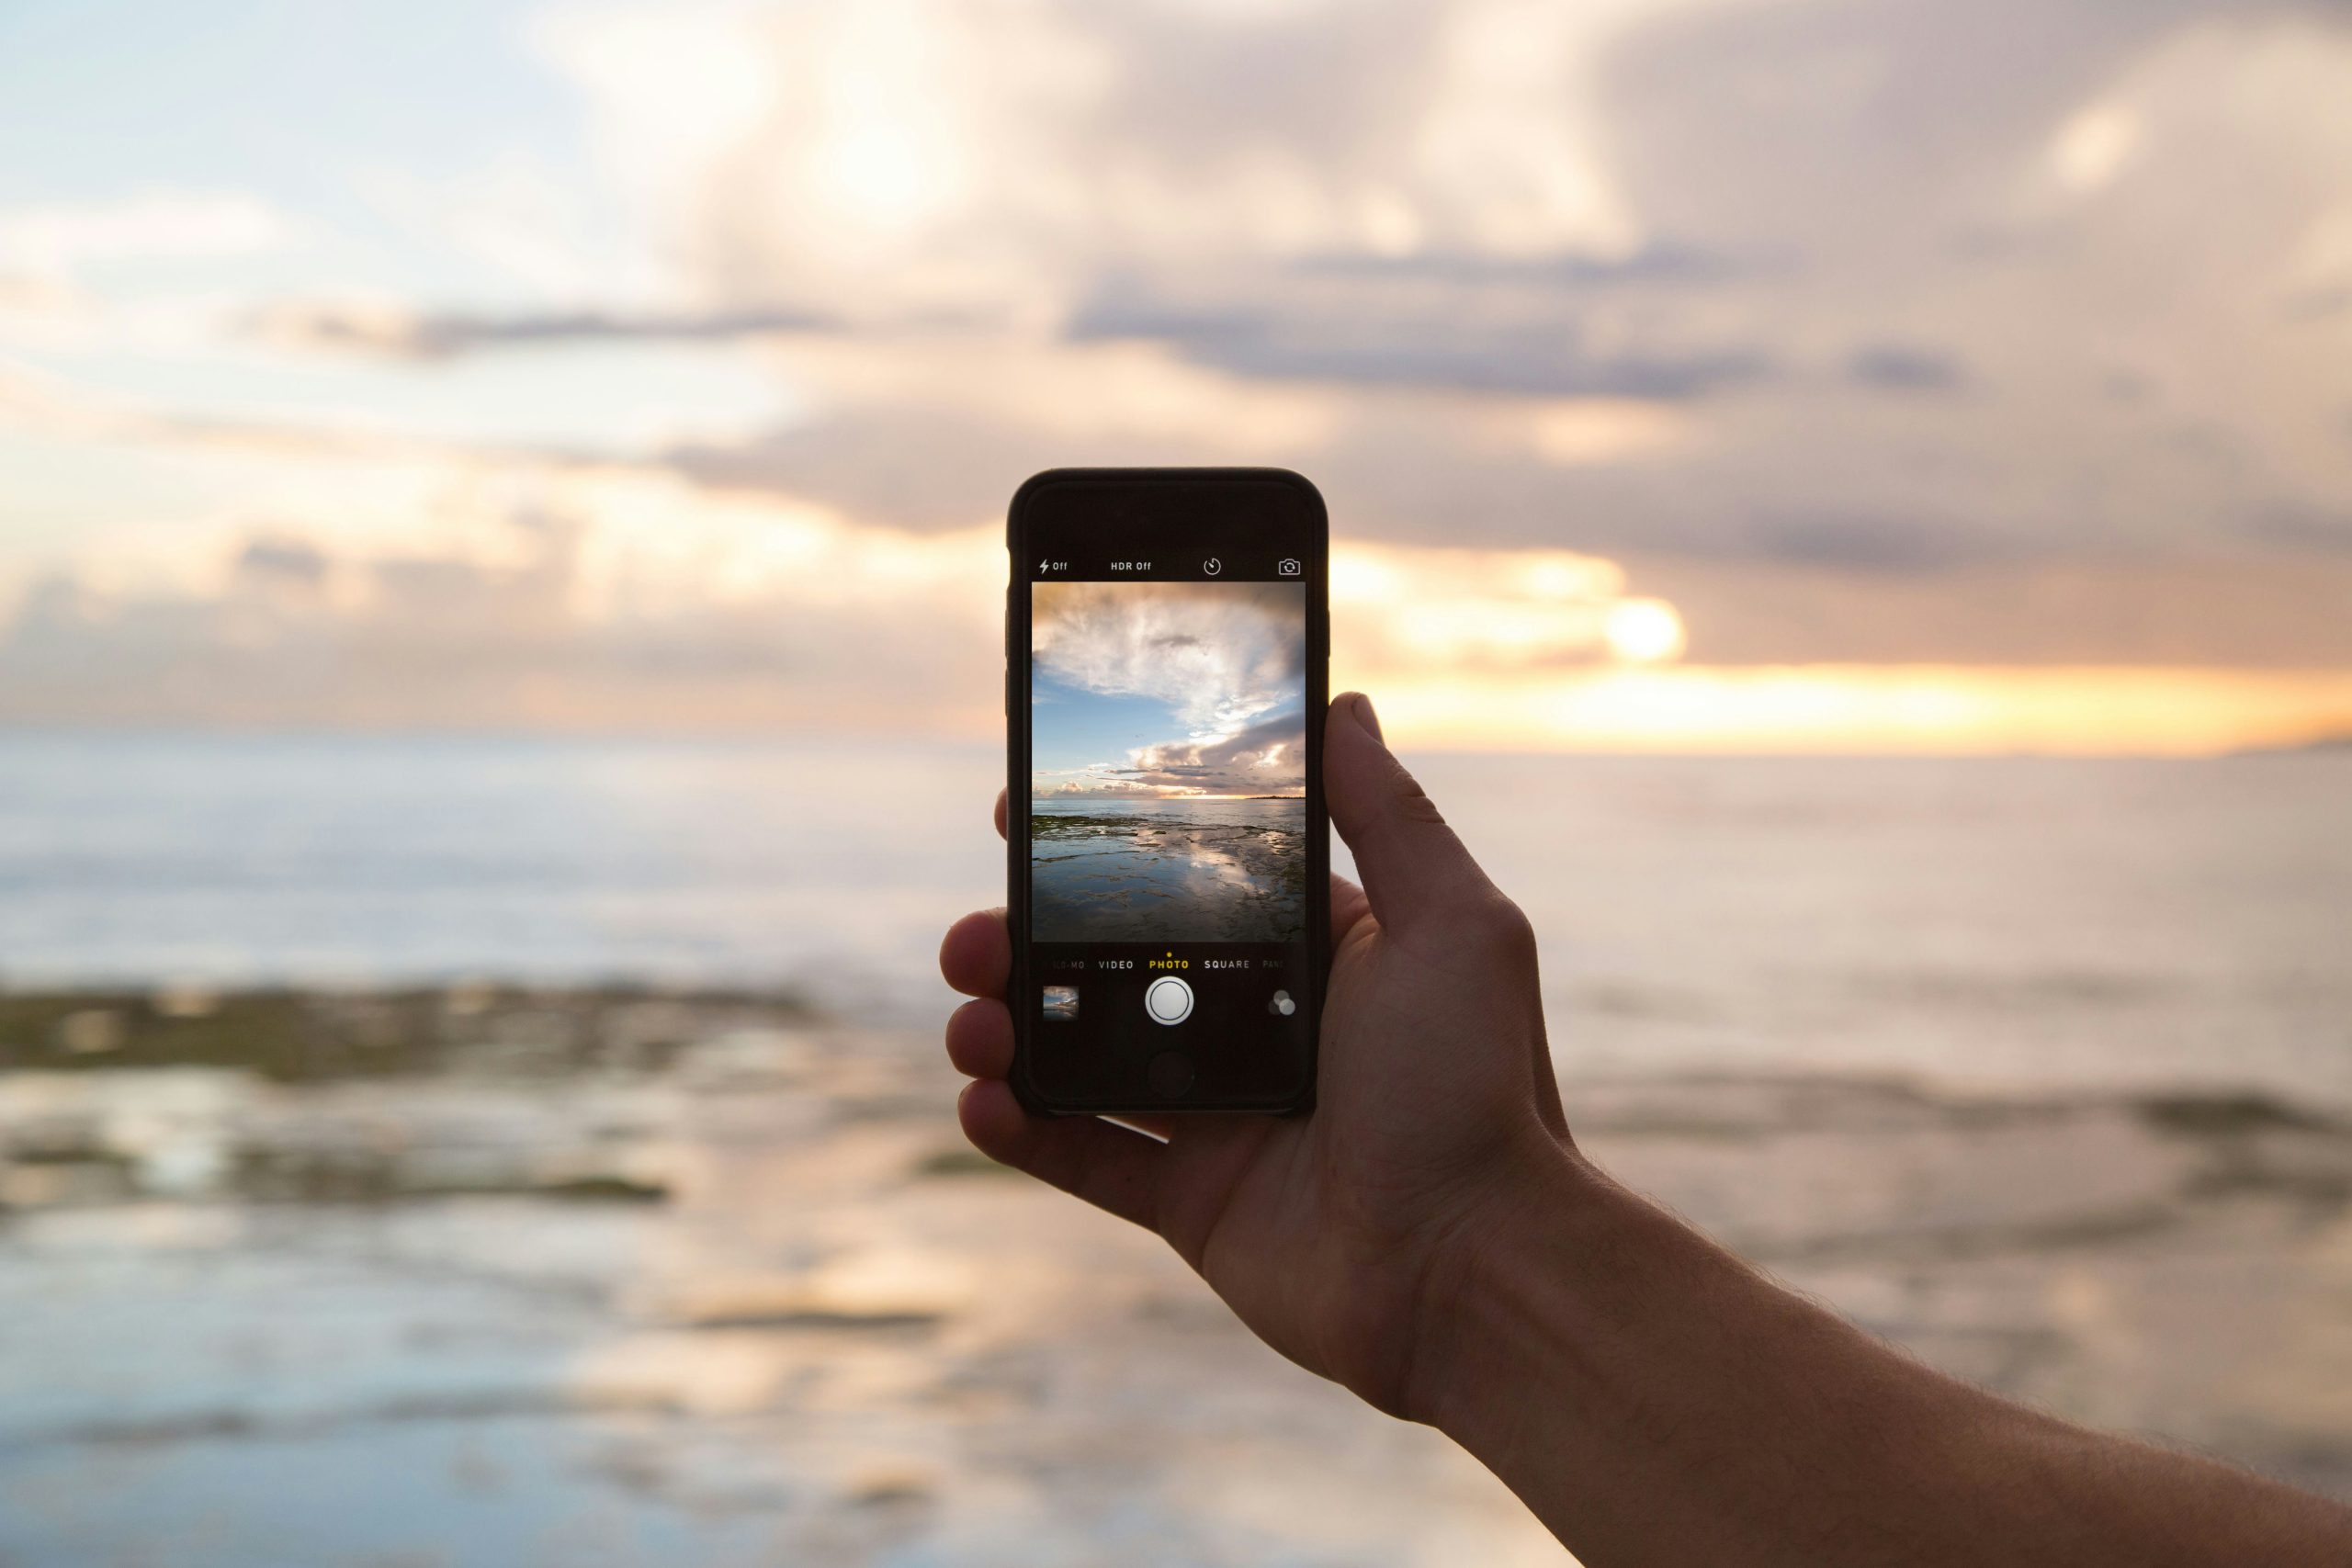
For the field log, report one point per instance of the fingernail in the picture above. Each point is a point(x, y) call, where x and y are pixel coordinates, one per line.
point(1366, 717)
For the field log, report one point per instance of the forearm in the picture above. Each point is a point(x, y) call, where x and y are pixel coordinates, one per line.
point(1656, 1401)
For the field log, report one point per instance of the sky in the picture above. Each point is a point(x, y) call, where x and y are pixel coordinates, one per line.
point(1157, 690)
point(1682, 374)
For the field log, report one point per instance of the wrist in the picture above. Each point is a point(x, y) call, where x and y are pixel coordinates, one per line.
point(1474, 1292)
point(1590, 1348)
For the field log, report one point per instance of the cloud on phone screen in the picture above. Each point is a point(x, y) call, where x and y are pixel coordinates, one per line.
point(1217, 666)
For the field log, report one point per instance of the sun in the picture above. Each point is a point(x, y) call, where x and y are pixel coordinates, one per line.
point(1644, 631)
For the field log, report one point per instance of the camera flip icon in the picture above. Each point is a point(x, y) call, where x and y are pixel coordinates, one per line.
point(1287, 567)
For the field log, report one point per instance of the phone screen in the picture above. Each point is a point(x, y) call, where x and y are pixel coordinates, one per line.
point(1172, 887)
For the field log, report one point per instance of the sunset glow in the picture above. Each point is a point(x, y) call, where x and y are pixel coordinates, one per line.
point(1853, 709)
point(673, 374)
point(1644, 631)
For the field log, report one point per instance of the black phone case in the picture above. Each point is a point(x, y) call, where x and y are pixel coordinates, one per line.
point(1021, 989)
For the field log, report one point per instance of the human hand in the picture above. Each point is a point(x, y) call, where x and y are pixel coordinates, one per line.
point(1430, 1237)
point(1329, 1235)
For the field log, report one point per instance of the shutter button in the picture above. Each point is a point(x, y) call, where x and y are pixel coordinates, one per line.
point(1168, 999)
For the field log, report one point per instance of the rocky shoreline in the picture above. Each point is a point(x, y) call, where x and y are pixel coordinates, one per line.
point(307, 1035)
point(724, 1272)
point(1118, 878)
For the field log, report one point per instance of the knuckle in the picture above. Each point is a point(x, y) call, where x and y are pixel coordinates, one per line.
point(1505, 929)
point(1411, 802)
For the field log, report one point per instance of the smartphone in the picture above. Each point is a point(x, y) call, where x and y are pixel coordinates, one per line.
point(1165, 636)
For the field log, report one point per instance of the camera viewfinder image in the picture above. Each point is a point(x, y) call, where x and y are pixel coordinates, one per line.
point(1168, 785)
point(1062, 1004)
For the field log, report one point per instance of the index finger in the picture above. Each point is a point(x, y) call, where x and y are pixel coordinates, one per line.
point(976, 956)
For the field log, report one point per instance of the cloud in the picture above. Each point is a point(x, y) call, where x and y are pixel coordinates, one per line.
point(574, 604)
point(398, 333)
point(1657, 263)
point(929, 154)
point(24, 295)
point(576, 601)
point(1807, 228)
point(160, 226)
point(1800, 229)
point(403, 591)
point(2011, 331)
point(1221, 655)
point(1925, 540)
point(1904, 367)
point(2278, 610)
point(1225, 661)
point(1269, 758)
point(905, 464)
point(294, 563)
point(1501, 352)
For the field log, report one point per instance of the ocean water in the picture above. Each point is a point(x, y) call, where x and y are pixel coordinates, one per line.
point(1255, 809)
point(2017, 921)
point(345, 861)
point(763, 1306)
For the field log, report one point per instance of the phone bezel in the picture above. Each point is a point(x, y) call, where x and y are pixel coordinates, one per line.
point(1238, 492)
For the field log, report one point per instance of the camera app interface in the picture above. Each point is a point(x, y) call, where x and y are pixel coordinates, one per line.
point(1168, 811)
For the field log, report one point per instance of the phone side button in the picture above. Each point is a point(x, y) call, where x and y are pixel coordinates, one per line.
point(1169, 1073)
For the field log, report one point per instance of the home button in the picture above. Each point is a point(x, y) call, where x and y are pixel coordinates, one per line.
point(1170, 1073)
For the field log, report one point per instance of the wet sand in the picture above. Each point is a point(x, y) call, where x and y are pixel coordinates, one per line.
point(736, 1292)
point(1168, 878)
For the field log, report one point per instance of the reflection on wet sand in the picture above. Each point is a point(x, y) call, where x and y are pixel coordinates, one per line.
point(749, 1299)
point(1176, 873)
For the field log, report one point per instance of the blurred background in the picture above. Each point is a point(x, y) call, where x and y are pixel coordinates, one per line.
point(1848, 504)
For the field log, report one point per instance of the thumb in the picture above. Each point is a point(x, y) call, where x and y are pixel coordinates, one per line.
point(1414, 869)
